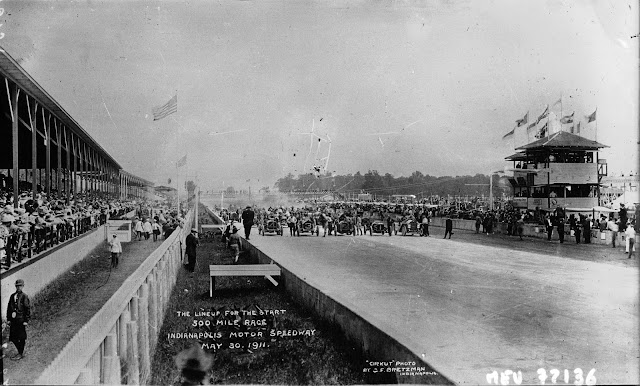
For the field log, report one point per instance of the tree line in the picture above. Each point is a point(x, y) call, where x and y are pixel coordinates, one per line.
point(421, 185)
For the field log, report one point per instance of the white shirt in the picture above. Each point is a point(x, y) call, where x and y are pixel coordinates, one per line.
point(115, 246)
point(630, 232)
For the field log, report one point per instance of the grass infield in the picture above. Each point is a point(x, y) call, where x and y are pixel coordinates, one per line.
point(325, 357)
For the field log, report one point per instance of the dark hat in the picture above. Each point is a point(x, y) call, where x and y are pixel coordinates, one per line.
point(194, 230)
point(19, 282)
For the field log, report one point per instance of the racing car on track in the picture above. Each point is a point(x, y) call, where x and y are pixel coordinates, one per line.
point(271, 225)
point(410, 226)
point(306, 225)
point(345, 227)
point(377, 226)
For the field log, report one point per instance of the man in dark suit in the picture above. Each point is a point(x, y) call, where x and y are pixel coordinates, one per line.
point(247, 221)
point(586, 229)
point(448, 227)
point(192, 243)
point(18, 315)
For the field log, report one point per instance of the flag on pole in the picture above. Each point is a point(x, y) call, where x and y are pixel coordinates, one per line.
point(592, 117)
point(543, 131)
point(182, 161)
point(509, 133)
point(567, 118)
point(524, 120)
point(167, 109)
point(533, 124)
point(544, 114)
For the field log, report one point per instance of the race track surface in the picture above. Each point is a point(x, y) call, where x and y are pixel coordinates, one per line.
point(470, 309)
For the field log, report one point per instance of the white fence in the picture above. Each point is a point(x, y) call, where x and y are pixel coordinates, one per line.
point(115, 346)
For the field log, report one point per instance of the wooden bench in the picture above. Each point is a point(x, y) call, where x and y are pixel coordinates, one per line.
point(266, 270)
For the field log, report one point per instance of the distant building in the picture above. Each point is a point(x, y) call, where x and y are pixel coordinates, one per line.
point(561, 170)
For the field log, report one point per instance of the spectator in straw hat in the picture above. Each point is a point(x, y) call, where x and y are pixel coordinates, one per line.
point(18, 315)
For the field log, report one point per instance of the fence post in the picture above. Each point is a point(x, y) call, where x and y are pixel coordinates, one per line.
point(143, 332)
point(152, 310)
point(110, 361)
point(133, 371)
point(85, 377)
point(122, 338)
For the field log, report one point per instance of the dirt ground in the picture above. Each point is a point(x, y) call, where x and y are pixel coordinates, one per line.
point(324, 358)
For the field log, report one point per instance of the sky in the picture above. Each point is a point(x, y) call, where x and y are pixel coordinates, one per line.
point(267, 88)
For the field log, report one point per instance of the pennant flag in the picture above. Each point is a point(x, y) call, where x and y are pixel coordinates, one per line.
point(568, 118)
point(182, 161)
point(168, 108)
point(524, 120)
point(544, 114)
point(509, 133)
point(533, 124)
point(578, 128)
point(543, 131)
point(592, 117)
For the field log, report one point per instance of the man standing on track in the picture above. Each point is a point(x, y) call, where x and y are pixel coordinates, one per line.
point(247, 221)
point(448, 227)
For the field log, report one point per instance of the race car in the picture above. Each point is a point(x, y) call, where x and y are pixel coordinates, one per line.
point(345, 227)
point(410, 226)
point(306, 226)
point(377, 226)
point(271, 225)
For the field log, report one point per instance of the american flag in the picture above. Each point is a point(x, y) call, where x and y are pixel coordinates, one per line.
point(168, 108)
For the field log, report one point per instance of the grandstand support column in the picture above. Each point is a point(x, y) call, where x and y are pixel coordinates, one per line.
point(59, 149)
point(47, 172)
point(67, 185)
point(75, 166)
point(15, 93)
point(103, 177)
point(33, 110)
point(82, 171)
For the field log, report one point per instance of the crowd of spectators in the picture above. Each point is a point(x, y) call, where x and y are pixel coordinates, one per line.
point(514, 219)
point(35, 225)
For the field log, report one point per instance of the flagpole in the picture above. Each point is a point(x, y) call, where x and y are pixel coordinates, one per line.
point(596, 125)
point(177, 189)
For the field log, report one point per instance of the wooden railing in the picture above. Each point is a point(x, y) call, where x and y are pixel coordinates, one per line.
point(116, 345)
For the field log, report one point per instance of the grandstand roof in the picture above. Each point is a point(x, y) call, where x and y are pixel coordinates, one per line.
point(563, 140)
point(13, 71)
point(519, 156)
